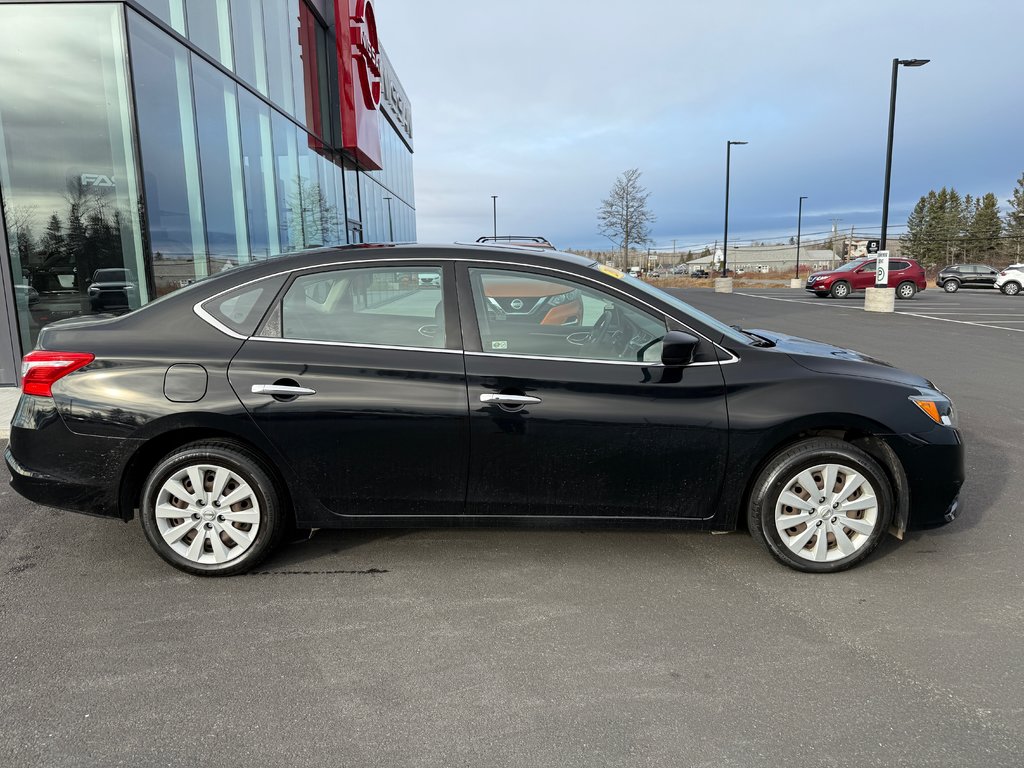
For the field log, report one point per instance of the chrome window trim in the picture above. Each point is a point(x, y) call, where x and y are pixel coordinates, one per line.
point(206, 316)
point(355, 344)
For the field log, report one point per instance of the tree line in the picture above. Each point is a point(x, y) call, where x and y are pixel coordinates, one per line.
point(945, 228)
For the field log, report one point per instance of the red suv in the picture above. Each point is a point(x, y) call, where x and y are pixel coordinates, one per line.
point(905, 275)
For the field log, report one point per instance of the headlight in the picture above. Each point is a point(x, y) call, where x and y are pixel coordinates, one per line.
point(93, 289)
point(938, 408)
point(819, 278)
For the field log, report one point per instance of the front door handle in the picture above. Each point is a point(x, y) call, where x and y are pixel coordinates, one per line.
point(495, 398)
point(281, 390)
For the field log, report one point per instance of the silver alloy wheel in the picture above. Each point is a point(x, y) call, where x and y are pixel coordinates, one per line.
point(1011, 289)
point(951, 286)
point(906, 290)
point(840, 290)
point(826, 513)
point(207, 513)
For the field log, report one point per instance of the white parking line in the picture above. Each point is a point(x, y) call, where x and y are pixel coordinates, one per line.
point(963, 322)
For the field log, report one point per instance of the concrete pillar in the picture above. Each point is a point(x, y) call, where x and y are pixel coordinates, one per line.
point(723, 285)
point(880, 300)
point(796, 283)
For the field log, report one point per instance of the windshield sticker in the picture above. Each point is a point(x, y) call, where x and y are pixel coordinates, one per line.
point(499, 345)
point(612, 271)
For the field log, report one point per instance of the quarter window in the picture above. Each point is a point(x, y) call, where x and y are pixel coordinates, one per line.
point(399, 307)
point(520, 313)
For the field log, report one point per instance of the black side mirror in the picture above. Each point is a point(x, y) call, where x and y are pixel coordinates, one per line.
point(678, 348)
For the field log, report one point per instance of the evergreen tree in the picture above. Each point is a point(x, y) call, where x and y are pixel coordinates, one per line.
point(1015, 223)
point(986, 229)
point(915, 241)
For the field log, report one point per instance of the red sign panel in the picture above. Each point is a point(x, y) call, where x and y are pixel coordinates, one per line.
point(359, 70)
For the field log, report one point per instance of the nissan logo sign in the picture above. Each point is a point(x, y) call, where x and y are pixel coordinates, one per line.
point(366, 52)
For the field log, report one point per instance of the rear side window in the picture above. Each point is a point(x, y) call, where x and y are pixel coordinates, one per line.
point(895, 266)
point(242, 308)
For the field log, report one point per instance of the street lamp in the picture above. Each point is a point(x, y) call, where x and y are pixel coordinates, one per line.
point(391, 226)
point(888, 151)
point(799, 218)
point(494, 202)
point(725, 240)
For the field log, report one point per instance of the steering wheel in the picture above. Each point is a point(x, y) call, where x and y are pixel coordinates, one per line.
point(606, 329)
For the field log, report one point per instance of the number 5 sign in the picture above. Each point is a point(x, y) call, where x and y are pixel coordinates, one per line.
point(882, 269)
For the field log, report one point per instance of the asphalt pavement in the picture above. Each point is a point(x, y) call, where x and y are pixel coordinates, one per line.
point(544, 647)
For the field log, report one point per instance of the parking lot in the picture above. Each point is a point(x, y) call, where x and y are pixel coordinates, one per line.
point(514, 647)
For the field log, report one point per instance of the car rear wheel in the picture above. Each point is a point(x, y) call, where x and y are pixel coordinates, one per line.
point(951, 286)
point(820, 506)
point(840, 290)
point(1011, 289)
point(211, 509)
point(906, 290)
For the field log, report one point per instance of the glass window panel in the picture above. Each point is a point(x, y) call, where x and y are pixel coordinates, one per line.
point(351, 192)
point(258, 171)
point(307, 208)
point(209, 27)
point(520, 313)
point(279, 53)
point(172, 12)
point(388, 306)
point(67, 165)
point(170, 157)
point(250, 52)
point(305, 68)
point(286, 172)
point(220, 160)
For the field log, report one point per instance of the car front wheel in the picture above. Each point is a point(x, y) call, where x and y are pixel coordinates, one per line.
point(951, 286)
point(840, 290)
point(211, 509)
point(1011, 289)
point(820, 506)
point(906, 290)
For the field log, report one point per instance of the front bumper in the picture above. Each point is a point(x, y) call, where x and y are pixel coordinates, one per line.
point(934, 466)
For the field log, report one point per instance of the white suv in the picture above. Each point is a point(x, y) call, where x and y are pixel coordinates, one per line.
point(1011, 280)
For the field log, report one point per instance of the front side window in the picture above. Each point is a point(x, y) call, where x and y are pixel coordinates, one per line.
point(387, 306)
point(522, 313)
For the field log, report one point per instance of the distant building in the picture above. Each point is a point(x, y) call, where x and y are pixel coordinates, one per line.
point(769, 259)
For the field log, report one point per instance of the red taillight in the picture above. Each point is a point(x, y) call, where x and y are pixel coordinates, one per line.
point(39, 370)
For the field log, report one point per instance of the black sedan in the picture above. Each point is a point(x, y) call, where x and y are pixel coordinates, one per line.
point(337, 388)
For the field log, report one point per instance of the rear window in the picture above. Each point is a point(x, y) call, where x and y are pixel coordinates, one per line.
point(242, 309)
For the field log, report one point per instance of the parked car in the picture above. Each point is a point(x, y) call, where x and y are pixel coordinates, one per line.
point(956, 276)
point(635, 272)
point(112, 289)
point(905, 275)
point(247, 403)
point(1011, 279)
point(699, 272)
point(25, 296)
point(679, 269)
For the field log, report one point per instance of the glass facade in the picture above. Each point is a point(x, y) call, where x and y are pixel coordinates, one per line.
point(174, 159)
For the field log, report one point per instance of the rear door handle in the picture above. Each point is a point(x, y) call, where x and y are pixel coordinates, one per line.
point(281, 390)
point(494, 398)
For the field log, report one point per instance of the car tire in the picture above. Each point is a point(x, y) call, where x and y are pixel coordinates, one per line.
point(821, 294)
point(906, 290)
point(840, 290)
point(206, 540)
point(1011, 288)
point(951, 286)
point(819, 537)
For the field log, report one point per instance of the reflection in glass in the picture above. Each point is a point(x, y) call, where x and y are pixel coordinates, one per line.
point(209, 27)
point(279, 53)
point(220, 158)
point(163, 97)
point(170, 11)
point(67, 174)
point(250, 53)
point(258, 168)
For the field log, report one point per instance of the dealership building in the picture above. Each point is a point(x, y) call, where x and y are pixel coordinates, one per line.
point(146, 144)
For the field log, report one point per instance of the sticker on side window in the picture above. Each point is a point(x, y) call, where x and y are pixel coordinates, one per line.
point(612, 271)
point(499, 345)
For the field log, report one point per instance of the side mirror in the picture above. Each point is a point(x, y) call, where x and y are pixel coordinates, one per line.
point(678, 348)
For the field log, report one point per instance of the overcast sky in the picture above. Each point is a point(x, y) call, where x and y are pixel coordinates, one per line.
point(545, 103)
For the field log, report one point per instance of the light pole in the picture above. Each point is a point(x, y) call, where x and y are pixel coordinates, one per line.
point(888, 150)
point(391, 226)
point(494, 202)
point(725, 240)
point(799, 218)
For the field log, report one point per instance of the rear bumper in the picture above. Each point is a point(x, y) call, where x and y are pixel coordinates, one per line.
point(53, 466)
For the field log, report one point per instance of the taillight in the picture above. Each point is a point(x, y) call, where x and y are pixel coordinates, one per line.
point(39, 370)
point(1003, 273)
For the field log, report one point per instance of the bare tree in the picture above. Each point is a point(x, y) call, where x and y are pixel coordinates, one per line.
point(624, 217)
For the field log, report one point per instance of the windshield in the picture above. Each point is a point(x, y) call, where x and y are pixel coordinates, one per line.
point(112, 275)
point(851, 265)
point(677, 303)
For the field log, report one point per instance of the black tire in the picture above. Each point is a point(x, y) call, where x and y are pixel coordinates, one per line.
point(1011, 288)
point(821, 294)
point(906, 290)
point(951, 286)
point(272, 514)
point(778, 475)
point(840, 289)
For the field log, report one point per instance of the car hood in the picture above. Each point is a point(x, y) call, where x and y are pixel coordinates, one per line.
point(825, 358)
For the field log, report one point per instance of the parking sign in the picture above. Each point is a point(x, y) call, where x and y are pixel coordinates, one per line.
point(882, 269)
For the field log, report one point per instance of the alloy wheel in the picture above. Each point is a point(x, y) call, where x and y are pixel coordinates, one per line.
point(951, 286)
point(1011, 289)
point(826, 513)
point(207, 513)
point(906, 290)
